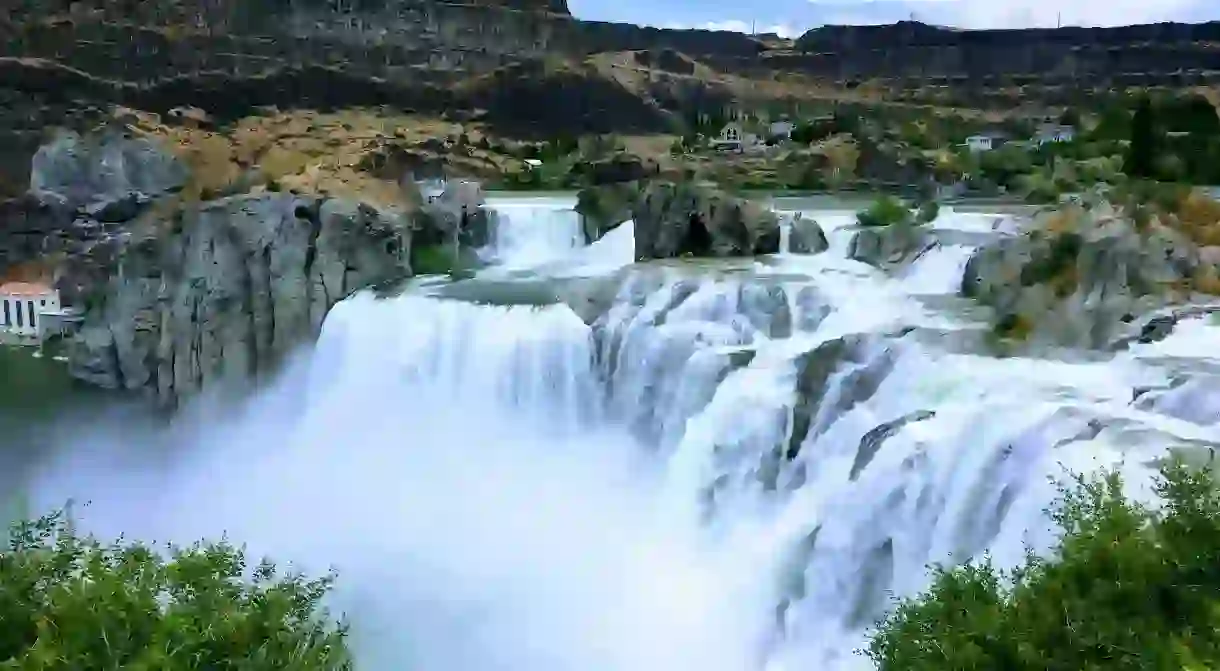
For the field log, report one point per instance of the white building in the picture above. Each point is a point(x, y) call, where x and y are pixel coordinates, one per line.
point(781, 129)
point(23, 306)
point(984, 142)
point(1054, 133)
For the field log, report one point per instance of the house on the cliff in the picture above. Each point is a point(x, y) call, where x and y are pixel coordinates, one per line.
point(31, 311)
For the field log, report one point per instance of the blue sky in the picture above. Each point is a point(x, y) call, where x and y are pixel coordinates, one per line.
point(796, 16)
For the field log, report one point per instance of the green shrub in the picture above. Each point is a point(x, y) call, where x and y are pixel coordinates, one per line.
point(1127, 587)
point(72, 603)
point(928, 211)
point(885, 211)
point(433, 259)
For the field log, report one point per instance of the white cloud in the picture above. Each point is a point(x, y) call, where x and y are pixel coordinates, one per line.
point(736, 26)
point(1026, 13)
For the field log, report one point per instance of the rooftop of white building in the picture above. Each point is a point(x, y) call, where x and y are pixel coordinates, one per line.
point(25, 289)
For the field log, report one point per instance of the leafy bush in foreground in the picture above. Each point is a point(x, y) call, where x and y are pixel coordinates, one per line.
point(1127, 587)
point(71, 602)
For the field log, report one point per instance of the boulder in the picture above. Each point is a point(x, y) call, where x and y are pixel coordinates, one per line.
point(806, 236)
point(458, 214)
point(603, 208)
point(890, 247)
point(227, 290)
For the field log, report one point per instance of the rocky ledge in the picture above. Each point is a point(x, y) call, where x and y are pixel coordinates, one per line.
point(184, 286)
point(226, 290)
point(1093, 276)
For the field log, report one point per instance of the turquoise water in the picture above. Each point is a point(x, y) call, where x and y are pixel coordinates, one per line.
point(39, 404)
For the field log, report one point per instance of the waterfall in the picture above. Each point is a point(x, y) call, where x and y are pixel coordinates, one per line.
point(530, 233)
point(729, 469)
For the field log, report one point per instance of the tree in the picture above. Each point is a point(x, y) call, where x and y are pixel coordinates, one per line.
point(1141, 154)
point(73, 603)
point(1127, 587)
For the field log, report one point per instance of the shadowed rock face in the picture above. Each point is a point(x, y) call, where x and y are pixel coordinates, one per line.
point(912, 49)
point(677, 219)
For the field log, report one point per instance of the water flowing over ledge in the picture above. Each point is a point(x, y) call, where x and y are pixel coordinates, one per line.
point(719, 466)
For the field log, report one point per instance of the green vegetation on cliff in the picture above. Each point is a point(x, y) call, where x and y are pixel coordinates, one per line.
point(71, 602)
point(1127, 587)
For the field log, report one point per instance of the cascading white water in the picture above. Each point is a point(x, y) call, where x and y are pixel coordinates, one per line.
point(530, 233)
point(505, 487)
point(938, 271)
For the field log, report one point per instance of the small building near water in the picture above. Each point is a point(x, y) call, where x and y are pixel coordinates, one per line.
point(985, 141)
point(1050, 133)
point(30, 311)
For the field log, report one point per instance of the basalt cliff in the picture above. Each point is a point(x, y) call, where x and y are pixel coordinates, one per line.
point(529, 66)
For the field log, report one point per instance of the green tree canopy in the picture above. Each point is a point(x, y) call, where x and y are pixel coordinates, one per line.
point(1140, 160)
point(1128, 587)
point(73, 603)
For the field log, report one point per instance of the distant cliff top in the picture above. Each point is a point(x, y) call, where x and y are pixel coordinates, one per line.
point(160, 10)
point(916, 34)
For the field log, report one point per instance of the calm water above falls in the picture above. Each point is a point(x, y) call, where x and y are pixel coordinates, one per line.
point(503, 487)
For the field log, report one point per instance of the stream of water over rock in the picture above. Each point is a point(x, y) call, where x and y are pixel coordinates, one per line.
point(731, 469)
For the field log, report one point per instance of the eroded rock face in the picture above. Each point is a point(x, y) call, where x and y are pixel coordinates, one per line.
point(603, 208)
point(676, 219)
point(832, 378)
point(229, 289)
point(1083, 284)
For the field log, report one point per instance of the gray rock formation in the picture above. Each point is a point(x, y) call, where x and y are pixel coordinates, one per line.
point(104, 171)
point(84, 191)
point(676, 219)
point(690, 219)
point(888, 247)
point(806, 236)
point(1083, 285)
point(229, 289)
point(832, 378)
point(603, 208)
point(458, 215)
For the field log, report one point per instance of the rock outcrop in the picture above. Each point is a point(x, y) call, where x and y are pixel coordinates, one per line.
point(832, 378)
point(806, 236)
point(677, 219)
point(229, 289)
point(84, 191)
point(102, 172)
point(890, 247)
point(1082, 277)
